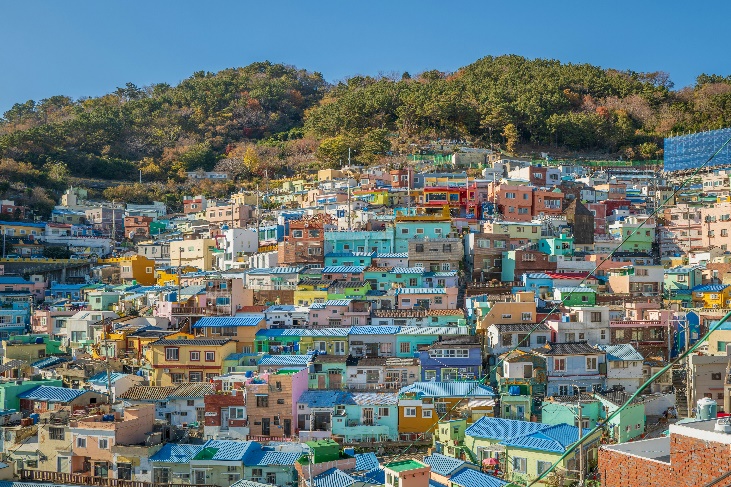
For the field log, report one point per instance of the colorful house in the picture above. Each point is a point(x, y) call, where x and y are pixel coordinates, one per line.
point(426, 298)
point(243, 328)
point(177, 360)
point(311, 291)
point(452, 359)
point(712, 296)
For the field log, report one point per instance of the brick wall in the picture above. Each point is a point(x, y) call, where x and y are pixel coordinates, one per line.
point(618, 470)
point(697, 462)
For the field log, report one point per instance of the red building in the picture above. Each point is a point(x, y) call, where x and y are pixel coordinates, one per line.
point(305, 242)
point(137, 226)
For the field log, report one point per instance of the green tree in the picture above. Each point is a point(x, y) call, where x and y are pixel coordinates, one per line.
point(333, 150)
point(56, 252)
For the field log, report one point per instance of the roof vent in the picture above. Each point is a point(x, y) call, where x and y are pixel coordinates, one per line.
point(723, 425)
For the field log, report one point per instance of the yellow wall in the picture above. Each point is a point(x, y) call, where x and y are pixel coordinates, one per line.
point(184, 365)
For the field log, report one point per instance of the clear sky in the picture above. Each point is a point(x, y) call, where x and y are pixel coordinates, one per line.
point(90, 47)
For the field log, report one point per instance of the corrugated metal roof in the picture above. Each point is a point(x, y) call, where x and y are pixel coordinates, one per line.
point(374, 330)
point(147, 393)
point(173, 453)
point(101, 378)
point(375, 398)
point(225, 450)
point(325, 399)
point(621, 352)
point(502, 429)
point(252, 319)
point(407, 270)
point(52, 394)
point(337, 302)
point(421, 290)
point(552, 439)
point(280, 307)
point(332, 478)
point(366, 461)
point(448, 389)
point(343, 269)
point(441, 274)
point(393, 255)
point(468, 477)
point(263, 457)
point(249, 483)
point(710, 288)
point(304, 332)
point(12, 364)
point(50, 362)
point(206, 342)
point(442, 464)
point(571, 290)
point(295, 360)
point(431, 330)
point(567, 348)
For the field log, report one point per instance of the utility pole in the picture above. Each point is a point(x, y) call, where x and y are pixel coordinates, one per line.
point(257, 217)
point(349, 208)
point(114, 227)
point(688, 371)
point(180, 275)
point(581, 448)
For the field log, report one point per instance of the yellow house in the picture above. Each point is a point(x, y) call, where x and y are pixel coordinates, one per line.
point(333, 341)
point(310, 291)
point(178, 360)
point(242, 328)
point(718, 340)
point(22, 229)
point(198, 253)
point(712, 296)
point(168, 276)
point(509, 312)
point(134, 268)
point(373, 196)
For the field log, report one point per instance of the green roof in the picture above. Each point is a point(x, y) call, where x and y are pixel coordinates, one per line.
point(206, 454)
point(404, 465)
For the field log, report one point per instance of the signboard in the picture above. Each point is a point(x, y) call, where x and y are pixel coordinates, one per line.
point(211, 413)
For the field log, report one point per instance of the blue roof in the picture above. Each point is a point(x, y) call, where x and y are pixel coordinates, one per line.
point(421, 290)
point(303, 332)
point(279, 307)
point(709, 288)
point(263, 457)
point(374, 330)
point(173, 453)
point(332, 478)
point(230, 450)
point(468, 477)
point(625, 351)
point(366, 461)
point(13, 280)
point(449, 389)
point(52, 394)
point(343, 269)
point(502, 429)
point(337, 302)
point(294, 360)
point(375, 476)
point(442, 464)
point(251, 319)
point(407, 270)
point(393, 255)
point(49, 362)
point(325, 399)
point(101, 378)
point(554, 439)
point(434, 483)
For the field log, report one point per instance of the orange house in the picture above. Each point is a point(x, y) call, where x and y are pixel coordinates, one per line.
point(422, 405)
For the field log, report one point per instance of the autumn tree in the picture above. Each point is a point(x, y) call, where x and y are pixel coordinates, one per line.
point(510, 132)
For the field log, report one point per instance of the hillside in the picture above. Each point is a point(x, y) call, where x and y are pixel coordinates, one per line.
point(279, 119)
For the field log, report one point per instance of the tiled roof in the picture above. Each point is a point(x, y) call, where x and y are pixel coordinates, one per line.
point(101, 378)
point(624, 351)
point(366, 461)
point(50, 362)
point(12, 364)
point(552, 439)
point(375, 398)
point(343, 269)
point(266, 456)
point(147, 393)
point(206, 342)
point(519, 327)
point(374, 330)
point(421, 290)
point(346, 285)
point(448, 389)
point(192, 390)
point(52, 394)
point(568, 348)
point(572, 290)
point(304, 332)
point(337, 302)
point(226, 450)
point(706, 288)
point(442, 464)
point(441, 274)
point(332, 478)
point(294, 360)
point(407, 270)
point(173, 453)
point(399, 313)
point(502, 429)
point(229, 321)
point(468, 477)
point(325, 399)
point(392, 255)
point(382, 270)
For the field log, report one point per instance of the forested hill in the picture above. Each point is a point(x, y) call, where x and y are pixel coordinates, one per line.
point(276, 117)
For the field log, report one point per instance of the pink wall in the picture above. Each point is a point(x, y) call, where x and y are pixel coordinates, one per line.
point(299, 385)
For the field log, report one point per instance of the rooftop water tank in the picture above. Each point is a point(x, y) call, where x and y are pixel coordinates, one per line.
point(707, 409)
point(514, 390)
point(39, 340)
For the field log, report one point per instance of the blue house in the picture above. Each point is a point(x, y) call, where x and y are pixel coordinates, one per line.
point(452, 359)
point(363, 259)
point(65, 291)
point(571, 365)
point(360, 241)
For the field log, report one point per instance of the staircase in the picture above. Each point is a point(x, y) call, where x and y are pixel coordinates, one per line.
point(681, 398)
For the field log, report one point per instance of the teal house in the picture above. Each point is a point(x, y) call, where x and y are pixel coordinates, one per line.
point(561, 245)
point(348, 290)
point(367, 416)
point(410, 230)
point(575, 296)
point(409, 339)
point(9, 391)
point(360, 241)
point(363, 259)
point(678, 281)
point(383, 278)
point(565, 410)
point(629, 423)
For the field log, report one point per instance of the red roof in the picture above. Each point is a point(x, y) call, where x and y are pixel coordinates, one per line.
point(569, 275)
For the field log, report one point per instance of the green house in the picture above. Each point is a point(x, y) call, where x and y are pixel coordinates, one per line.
point(629, 423)
point(561, 245)
point(9, 391)
point(348, 290)
point(575, 296)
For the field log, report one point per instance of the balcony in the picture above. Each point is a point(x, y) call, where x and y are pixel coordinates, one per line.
point(77, 479)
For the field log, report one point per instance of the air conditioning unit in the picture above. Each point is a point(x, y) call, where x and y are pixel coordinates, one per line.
point(165, 371)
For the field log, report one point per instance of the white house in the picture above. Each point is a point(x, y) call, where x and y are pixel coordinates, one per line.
point(502, 337)
point(624, 366)
point(120, 383)
point(582, 323)
point(286, 316)
point(185, 404)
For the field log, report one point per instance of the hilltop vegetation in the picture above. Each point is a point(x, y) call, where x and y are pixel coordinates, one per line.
point(276, 119)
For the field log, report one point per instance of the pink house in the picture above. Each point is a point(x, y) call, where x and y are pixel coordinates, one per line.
point(426, 298)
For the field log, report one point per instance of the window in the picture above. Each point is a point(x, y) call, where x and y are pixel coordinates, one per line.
point(559, 364)
point(526, 316)
point(190, 402)
point(176, 379)
point(409, 412)
point(196, 377)
point(596, 316)
point(591, 363)
point(426, 413)
point(81, 442)
point(404, 347)
point(523, 340)
point(563, 390)
point(520, 465)
point(56, 433)
point(405, 231)
point(721, 346)
point(237, 413)
point(716, 376)
point(540, 340)
point(262, 401)
point(195, 356)
point(430, 375)
point(582, 336)
point(437, 300)
point(419, 247)
point(124, 471)
point(603, 334)
point(210, 356)
point(103, 443)
point(257, 472)
point(483, 243)
point(507, 340)
point(543, 466)
point(569, 337)
point(271, 478)
point(172, 354)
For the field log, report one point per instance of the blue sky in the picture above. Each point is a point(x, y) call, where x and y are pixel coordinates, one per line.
point(88, 48)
